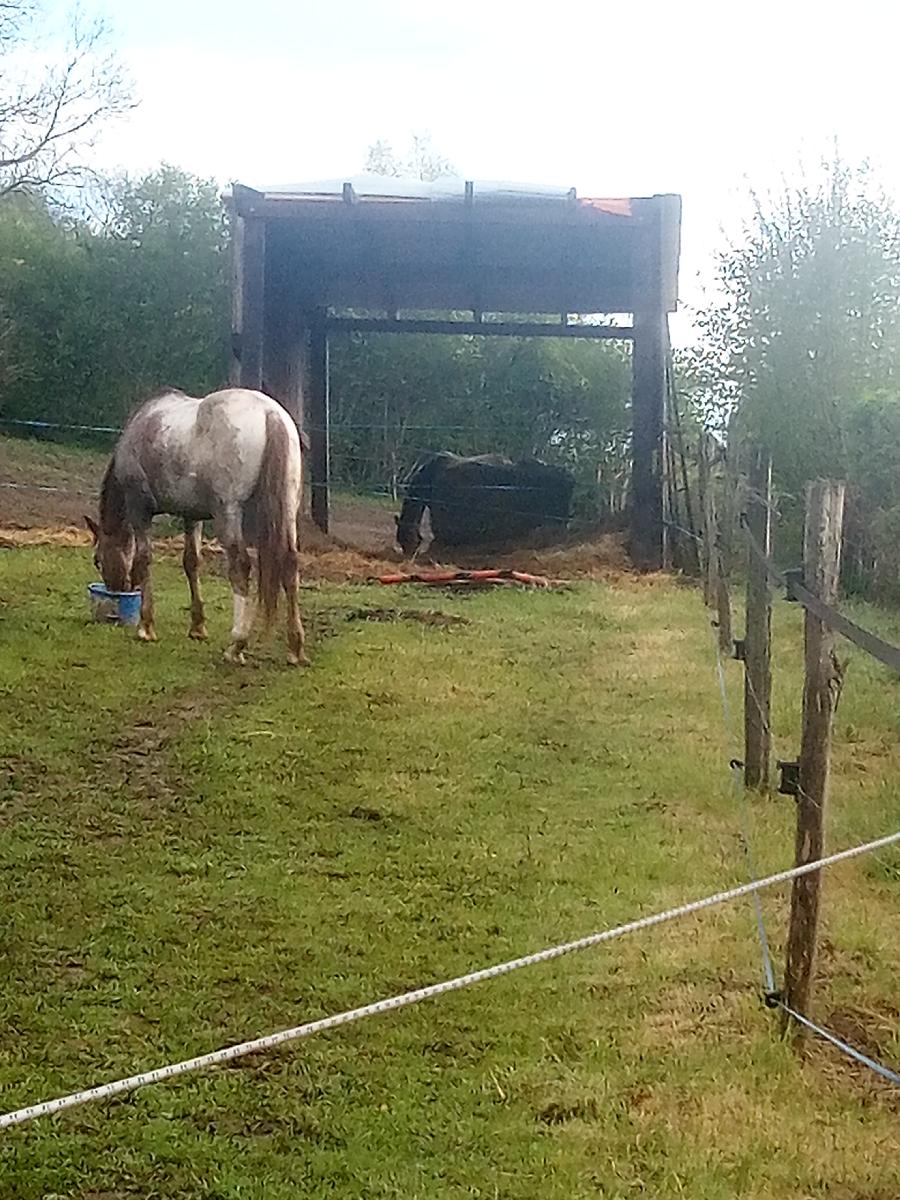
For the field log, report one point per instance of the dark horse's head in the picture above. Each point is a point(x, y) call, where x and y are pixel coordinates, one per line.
point(419, 486)
point(113, 536)
point(409, 539)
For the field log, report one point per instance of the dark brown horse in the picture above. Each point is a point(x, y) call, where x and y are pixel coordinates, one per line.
point(484, 500)
point(233, 457)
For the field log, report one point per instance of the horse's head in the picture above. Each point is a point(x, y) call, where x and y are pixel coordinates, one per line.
point(113, 556)
point(408, 537)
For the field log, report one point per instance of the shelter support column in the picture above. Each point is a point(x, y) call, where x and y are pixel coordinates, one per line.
point(284, 339)
point(317, 414)
point(648, 403)
point(248, 313)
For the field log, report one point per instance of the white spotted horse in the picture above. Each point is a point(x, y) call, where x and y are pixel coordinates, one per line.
point(233, 457)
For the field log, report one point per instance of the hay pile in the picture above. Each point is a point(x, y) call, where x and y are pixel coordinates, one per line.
point(328, 560)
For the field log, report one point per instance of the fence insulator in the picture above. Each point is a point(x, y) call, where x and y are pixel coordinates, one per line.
point(789, 784)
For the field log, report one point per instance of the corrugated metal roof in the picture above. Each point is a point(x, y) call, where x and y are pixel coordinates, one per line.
point(446, 188)
point(451, 189)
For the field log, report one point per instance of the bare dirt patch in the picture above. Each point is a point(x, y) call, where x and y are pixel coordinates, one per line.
point(423, 616)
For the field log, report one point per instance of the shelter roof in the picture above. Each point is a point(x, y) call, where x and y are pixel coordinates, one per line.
point(377, 242)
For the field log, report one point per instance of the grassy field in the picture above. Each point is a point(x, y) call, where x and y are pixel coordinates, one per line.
point(193, 855)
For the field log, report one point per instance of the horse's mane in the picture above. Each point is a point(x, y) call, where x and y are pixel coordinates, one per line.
point(113, 513)
point(112, 501)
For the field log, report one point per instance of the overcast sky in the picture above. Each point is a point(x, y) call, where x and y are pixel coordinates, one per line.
point(613, 98)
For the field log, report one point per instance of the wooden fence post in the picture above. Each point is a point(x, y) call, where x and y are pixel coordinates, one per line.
point(691, 557)
point(822, 557)
point(758, 628)
point(707, 518)
point(723, 600)
point(715, 585)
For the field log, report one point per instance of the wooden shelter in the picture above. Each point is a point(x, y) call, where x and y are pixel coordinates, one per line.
point(381, 254)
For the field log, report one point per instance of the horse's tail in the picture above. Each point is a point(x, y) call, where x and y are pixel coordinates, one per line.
point(277, 500)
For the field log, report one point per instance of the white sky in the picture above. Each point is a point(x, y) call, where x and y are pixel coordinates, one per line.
point(623, 98)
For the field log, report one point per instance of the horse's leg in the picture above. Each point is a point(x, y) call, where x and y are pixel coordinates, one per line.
point(239, 567)
point(193, 532)
point(231, 536)
point(295, 634)
point(140, 580)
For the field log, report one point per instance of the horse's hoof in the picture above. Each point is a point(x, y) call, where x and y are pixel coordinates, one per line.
point(147, 635)
point(298, 660)
point(198, 633)
point(235, 657)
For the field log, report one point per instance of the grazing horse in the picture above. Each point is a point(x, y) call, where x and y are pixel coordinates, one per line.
point(484, 500)
point(233, 457)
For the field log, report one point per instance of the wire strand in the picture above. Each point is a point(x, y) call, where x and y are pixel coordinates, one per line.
point(879, 1068)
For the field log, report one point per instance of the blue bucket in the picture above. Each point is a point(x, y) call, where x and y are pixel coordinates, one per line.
point(114, 608)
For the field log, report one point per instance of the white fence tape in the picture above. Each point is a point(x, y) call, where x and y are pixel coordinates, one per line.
point(229, 1053)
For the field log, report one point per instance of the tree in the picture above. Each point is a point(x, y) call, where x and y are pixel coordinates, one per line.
point(162, 266)
point(52, 105)
point(381, 160)
point(100, 318)
point(809, 318)
point(801, 352)
point(422, 161)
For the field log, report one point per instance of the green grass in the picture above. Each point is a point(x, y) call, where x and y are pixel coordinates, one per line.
point(193, 855)
point(57, 464)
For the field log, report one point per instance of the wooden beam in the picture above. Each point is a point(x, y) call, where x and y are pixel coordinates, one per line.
point(822, 558)
point(498, 291)
point(252, 303)
point(318, 419)
point(245, 200)
point(648, 402)
point(389, 209)
point(482, 328)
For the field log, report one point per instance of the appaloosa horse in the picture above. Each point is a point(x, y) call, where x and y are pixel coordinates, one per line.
point(233, 457)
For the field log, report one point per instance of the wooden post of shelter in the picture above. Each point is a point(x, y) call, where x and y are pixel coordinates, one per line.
point(649, 400)
point(237, 296)
point(758, 627)
point(822, 557)
point(319, 418)
point(284, 341)
point(250, 306)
